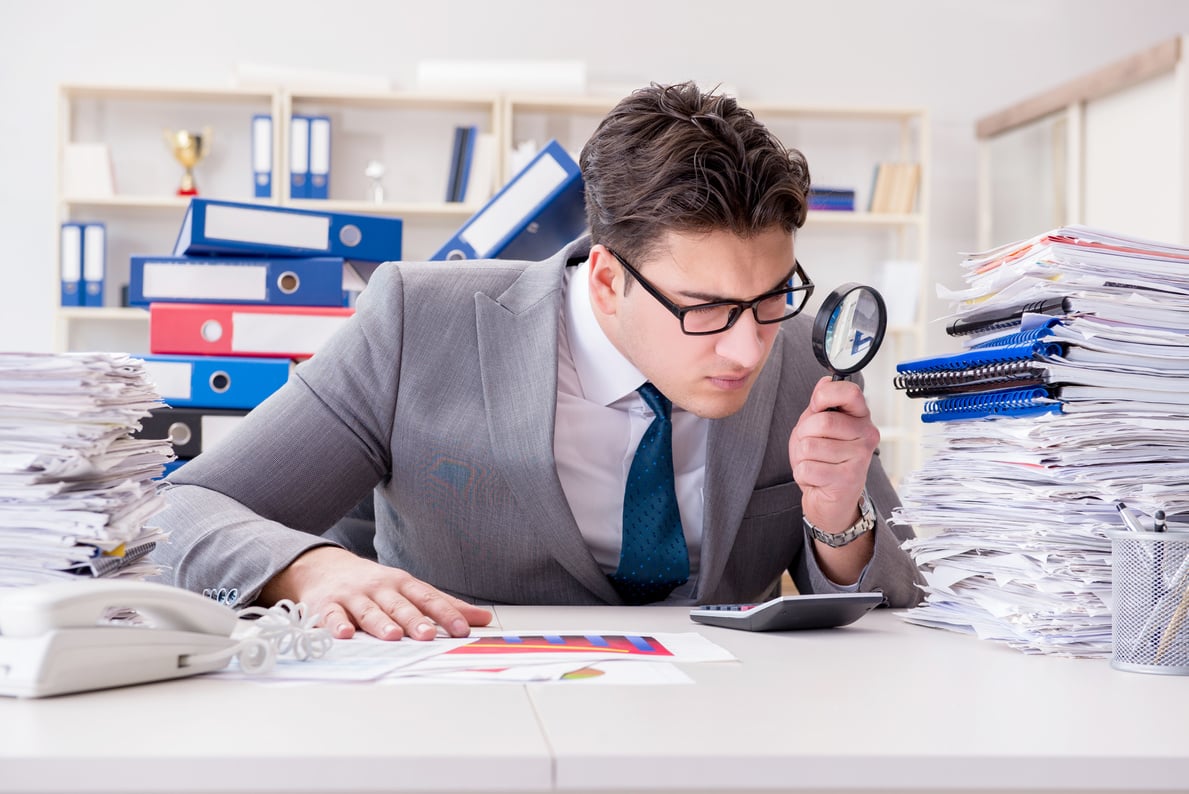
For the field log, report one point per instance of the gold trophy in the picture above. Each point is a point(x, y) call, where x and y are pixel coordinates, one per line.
point(188, 148)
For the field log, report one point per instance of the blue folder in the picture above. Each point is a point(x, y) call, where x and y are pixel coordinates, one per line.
point(460, 162)
point(318, 185)
point(94, 263)
point(216, 381)
point(299, 157)
point(540, 210)
point(70, 253)
point(297, 281)
point(229, 227)
point(262, 155)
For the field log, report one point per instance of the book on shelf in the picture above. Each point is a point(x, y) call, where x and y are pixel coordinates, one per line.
point(262, 155)
point(94, 263)
point(481, 178)
point(542, 208)
point(895, 188)
point(318, 183)
point(460, 161)
point(837, 199)
point(473, 161)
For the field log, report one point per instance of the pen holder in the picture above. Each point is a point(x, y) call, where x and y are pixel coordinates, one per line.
point(1150, 628)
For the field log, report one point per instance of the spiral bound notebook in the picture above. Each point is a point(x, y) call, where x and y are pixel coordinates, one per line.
point(1003, 403)
point(1042, 333)
point(977, 370)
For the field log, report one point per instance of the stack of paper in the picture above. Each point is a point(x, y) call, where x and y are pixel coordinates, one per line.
point(75, 488)
point(1070, 396)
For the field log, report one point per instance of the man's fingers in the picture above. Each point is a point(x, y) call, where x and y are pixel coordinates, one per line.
point(390, 606)
point(448, 612)
point(412, 613)
point(474, 615)
point(334, 619)
point(841, 395)
point(824, 450)
point(374, 619)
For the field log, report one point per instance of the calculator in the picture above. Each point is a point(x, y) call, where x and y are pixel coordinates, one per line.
point(789, 613)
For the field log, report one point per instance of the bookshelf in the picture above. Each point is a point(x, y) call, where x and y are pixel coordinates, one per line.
point(411, 133)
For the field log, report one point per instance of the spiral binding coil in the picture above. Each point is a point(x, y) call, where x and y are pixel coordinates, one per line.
point(1020, 339)
point(938, 383)
point(1008, 402)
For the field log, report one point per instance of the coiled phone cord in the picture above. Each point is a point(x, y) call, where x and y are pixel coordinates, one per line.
point(283, 628)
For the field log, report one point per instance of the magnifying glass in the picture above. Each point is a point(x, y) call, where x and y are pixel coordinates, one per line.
point(849, 329)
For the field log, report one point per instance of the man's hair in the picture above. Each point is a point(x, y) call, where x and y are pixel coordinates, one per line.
point(671, 158)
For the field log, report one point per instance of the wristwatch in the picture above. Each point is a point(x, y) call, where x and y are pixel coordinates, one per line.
point(865, 524)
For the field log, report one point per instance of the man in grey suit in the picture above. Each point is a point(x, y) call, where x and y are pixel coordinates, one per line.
point(494, 408)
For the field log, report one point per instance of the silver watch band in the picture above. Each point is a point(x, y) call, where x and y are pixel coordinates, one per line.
point(865, 524)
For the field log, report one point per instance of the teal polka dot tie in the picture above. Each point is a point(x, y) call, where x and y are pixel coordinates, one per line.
point(653, 558)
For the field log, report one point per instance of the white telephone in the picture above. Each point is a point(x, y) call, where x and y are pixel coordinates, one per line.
point(55, 639)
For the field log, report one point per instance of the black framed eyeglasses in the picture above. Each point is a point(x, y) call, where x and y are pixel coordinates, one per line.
point(703, 319)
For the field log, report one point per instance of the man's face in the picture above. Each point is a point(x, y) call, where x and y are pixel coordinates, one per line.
point(712, 375)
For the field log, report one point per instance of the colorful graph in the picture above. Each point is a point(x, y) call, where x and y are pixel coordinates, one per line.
point(625, 644)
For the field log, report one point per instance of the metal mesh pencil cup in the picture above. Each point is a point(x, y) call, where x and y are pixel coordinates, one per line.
point(1150, 628)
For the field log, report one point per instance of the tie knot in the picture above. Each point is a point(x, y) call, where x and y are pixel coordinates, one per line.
point(658, 402)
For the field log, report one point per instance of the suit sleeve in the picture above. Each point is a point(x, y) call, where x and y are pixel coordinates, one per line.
point(240, 513)
point(890, 570)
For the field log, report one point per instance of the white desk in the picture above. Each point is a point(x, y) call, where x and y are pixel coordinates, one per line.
point(879, 705)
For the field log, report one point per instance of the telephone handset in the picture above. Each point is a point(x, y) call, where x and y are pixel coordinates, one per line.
point(55, 638)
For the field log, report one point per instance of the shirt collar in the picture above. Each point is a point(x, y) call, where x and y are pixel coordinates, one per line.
point(604, 374)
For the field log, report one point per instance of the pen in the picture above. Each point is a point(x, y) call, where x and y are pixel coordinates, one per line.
point(1158, 521)
point(1129, 518)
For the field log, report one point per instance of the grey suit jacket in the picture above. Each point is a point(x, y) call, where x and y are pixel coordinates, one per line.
point(440, 395)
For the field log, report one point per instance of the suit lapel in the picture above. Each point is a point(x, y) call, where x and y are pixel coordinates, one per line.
point(735, 449)
point(518, 338)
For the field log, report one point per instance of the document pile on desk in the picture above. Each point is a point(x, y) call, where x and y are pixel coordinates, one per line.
point(75, 488)
point(1072, 393)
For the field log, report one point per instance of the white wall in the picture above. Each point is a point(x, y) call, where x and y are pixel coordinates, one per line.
point(958, 58)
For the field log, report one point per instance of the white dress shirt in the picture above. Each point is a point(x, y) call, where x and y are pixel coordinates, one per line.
point(599, 423)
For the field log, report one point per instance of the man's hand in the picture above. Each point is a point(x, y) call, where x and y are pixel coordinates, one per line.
point(830, 452)
point(350, 592)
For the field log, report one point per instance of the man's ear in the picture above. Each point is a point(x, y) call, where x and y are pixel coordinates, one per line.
point(606, 280)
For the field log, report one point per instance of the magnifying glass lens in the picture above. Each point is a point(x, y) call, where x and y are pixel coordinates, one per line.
point(849, 328)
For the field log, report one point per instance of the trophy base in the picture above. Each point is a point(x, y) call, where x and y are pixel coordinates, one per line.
point(187, 191)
